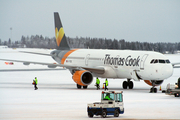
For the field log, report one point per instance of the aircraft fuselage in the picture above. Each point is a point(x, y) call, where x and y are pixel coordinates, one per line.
point(119, 63)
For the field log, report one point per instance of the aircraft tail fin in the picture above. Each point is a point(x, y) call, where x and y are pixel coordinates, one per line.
point(61, 40)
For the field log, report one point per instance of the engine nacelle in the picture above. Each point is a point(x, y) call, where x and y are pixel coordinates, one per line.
point(157, 83)
point(83, 77)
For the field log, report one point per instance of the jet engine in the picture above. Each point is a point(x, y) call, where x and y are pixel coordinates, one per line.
point(157, 83)
point(83, 77)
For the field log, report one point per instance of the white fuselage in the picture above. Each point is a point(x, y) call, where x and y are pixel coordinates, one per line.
point(122, 63)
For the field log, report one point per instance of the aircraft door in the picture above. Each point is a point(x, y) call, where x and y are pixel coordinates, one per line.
point(143, 59)
point(87, 59)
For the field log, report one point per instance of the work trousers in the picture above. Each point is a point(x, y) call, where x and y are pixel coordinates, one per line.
point(35, 86)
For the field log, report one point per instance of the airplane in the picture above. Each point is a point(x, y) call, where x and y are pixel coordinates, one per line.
point(84, 64)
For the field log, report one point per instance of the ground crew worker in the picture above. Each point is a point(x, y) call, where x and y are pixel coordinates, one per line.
point(35, 83)
point(97, 83)
point(106, 84)
point(107, 97)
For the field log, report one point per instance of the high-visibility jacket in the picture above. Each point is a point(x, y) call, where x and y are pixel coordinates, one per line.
point(107, 97)
point(97, 81)
point(36, 81)
point(106, 82)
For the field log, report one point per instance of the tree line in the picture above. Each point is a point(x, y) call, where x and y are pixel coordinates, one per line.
point(38, 41)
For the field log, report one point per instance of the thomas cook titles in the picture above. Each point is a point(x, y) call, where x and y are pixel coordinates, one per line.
point(128, 61)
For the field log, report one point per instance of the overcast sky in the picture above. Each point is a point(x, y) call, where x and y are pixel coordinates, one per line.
point(132, 20)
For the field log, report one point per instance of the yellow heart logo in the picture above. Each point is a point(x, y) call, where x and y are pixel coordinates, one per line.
point(59, 35)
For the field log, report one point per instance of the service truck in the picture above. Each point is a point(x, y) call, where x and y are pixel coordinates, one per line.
point(111, 104)
point(173, 89)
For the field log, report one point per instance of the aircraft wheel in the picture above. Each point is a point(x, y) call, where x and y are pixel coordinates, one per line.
point(155, 90)
point(125, 84)
point(151, 90)
point(85, 87)
point(131, 85)
point(78, 86)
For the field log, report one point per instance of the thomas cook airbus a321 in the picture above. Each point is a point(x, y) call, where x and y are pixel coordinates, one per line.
point(84, 64)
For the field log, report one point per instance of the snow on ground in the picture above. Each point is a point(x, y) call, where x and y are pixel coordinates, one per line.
point(58, 98)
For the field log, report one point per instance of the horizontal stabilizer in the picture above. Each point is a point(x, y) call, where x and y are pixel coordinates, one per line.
point(36, 53)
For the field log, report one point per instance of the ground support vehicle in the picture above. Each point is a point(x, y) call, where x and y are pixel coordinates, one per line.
point(111, 104)
point(173, 89)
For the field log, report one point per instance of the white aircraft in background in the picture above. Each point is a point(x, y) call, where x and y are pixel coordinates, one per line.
point(84, 64)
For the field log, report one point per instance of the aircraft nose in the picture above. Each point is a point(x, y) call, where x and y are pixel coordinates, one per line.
point(167, 71)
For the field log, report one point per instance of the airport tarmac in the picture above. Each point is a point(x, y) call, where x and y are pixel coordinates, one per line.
point(58, 98)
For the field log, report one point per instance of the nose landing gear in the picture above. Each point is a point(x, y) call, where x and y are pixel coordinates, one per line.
point(153, 89)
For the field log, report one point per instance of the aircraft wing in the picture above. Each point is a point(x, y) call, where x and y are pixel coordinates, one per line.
point(99, 70)
point(15, 70)
point(176, 65)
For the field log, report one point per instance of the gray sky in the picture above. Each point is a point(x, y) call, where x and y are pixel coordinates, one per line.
point(132, 20)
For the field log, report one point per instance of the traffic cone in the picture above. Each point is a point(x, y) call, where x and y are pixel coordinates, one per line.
point(160, 88)
point(103, 86)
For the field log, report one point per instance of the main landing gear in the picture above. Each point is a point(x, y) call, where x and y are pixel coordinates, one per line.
point(153, 89)
point(128, 83)
point(79, 87)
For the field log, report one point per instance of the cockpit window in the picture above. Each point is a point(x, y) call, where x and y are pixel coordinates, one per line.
point(159, 61)
point(167, 61)
point(156, 61)
point(152, 61)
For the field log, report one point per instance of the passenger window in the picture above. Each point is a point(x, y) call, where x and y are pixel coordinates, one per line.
point(167, 61)
point(152, 61)
point(156, 61)
point(161, 61)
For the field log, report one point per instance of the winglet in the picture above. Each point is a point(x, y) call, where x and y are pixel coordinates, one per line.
point(59, 34)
